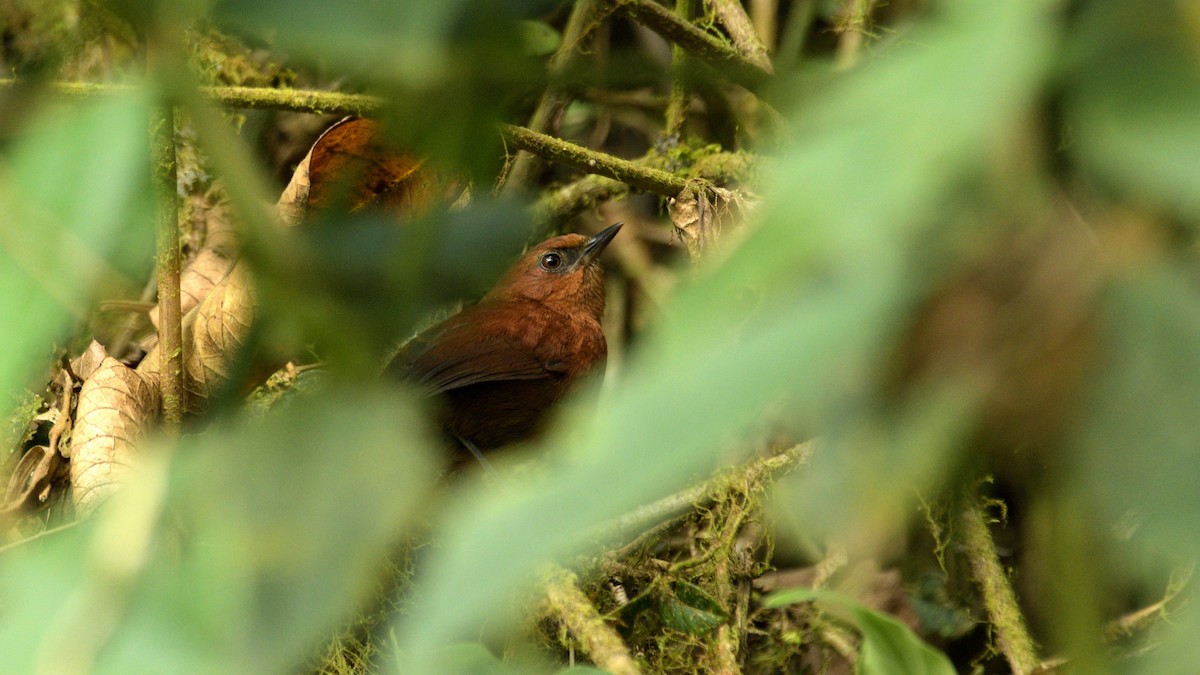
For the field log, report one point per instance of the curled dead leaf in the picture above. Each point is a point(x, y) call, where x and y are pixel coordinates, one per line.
point(30, 481)
point(116, 406)
point(222, 323)
point(86, 363)
point(349, 164)
point(700, 215)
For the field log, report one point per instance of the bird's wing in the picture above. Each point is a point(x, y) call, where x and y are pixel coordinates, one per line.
point(472, 347)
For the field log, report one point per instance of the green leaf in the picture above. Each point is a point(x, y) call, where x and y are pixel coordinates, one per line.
point(76, 195)
point(260, 538)
point(538, 37)
point(1133, 96)
point(888, 645)
point(690, 610)
point(472, 658)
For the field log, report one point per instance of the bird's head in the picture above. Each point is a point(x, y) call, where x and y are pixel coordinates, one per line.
point(562, 271)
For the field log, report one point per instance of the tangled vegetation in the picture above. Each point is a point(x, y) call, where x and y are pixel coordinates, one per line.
point(901, 325)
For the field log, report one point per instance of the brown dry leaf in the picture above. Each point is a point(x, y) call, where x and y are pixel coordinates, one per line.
point(701, 214)
point(86, 363)
point(219, 330)
point(212, 333)
point(210, 266)
point(31, 479)
point(349, 157)
point(116, 405)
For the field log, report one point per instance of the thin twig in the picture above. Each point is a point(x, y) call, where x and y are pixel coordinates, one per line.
point(40, 535)
point(170, 316)
point(795, 33)
point(699, 43)
point(570, 606)
point(999, 599)
point(741, 31)
point(677, 100)
point(853, 29)
point(553, 101)
point(586, 193)
point(641, 177)
point(762, 14)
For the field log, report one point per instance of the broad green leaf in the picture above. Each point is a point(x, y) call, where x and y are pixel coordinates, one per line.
point(472, 658)
point(449, 70)
point(538, 37)
point(1133, 95)
point(259, 539)
point(1138, 444)
point(75, 191)
point(888, 647)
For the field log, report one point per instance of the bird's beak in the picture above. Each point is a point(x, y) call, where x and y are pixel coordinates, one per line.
point(596, 245)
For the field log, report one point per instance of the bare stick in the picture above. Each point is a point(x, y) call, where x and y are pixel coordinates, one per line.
point(170, 316)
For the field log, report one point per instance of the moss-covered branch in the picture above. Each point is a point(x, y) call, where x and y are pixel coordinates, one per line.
point(548, 147)
point(999, 599)
point(591, 161)
point(251, 98)
point(753, 473)
point(295, 100)
point(597, 639)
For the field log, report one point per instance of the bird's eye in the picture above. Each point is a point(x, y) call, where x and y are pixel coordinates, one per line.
point(551, 261)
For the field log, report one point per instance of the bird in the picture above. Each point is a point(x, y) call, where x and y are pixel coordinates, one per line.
point(497, 368)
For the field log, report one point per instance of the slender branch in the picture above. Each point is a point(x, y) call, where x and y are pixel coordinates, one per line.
point(570, 606)
point(170, 316)
point(853, 29)
point(585, 193)
point(683, 33)
point(795, 33)
point(552, 103)
point(762, 15)
point(677, 100)
point(252, 98)
point(40, 535)
point(641, 177)
point(999, 599)
point(682, 502)
point(741, 31)
point(296, 100)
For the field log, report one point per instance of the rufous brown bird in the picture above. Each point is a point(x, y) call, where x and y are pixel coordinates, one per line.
point(499, 366)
